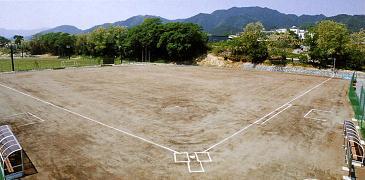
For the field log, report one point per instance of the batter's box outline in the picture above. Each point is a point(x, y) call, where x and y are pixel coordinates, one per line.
point(194, 161)
point(307, 116)
point(199, 157)
point(181, 155)
point(27, 115)
point(198, 169)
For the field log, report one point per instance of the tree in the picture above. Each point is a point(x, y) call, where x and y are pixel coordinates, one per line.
point(61, 44)
point(82, 46)
point(329, 40)
point(18, 39)
point(183, 41)
point(3, 41)
point(356, 51)
point(253, 41)
point(142, 40)
point(280, 44)
point(107, 43)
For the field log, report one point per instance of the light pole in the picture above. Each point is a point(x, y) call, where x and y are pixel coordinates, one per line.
point(11, 46)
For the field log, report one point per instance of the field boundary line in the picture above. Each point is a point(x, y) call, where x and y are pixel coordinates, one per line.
point(248, 126)
point(287, 107)
point(90, 119)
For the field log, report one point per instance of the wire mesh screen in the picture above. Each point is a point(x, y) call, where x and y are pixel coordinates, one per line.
point(357, 101)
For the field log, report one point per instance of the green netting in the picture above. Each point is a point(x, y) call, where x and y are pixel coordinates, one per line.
point(357, 102)
point(2, 174)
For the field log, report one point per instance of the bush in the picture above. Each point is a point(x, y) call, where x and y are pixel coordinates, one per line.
point(303, 58)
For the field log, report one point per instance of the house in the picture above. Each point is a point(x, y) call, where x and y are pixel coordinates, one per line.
point(299, 32)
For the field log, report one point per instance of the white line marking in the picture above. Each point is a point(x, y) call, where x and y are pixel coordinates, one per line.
point(248, 126)
point(27, 114)
point(267, 115)
point(87, 118)
point(196, 171)
point(318, 119)
point(17, 114)
point(322, 110)
point(199, 160)
point(289, 105)
point(308, 113)
point(30, 114)
point(42, 120)
point(179, 161)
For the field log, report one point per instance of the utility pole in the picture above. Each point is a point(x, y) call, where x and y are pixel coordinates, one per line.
point(334, 65)
point(12, 57)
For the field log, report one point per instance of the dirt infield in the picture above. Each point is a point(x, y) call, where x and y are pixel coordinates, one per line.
point(126, 122)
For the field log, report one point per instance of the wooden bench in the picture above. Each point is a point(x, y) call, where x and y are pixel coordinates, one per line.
point(9, 167)
point(357, 154)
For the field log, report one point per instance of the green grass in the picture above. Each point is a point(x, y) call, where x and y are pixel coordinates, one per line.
point(26, 64)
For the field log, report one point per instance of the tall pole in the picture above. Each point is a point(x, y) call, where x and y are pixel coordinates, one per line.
point(21, 43)
point(12, 57)
point(142, 54)
point(334, 64)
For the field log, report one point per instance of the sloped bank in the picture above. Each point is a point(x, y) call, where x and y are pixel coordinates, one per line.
point(213, 60)
point(343, 74)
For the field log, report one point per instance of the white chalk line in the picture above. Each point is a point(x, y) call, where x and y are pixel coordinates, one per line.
point(17, 114)
point(305, 116)
point(27, 114)
point(38, 118)
point(87, 118)
point(318, 119)
point(288, 106)
point(248, 126)
point(272, 112)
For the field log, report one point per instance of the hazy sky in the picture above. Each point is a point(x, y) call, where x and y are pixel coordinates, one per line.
point(31, 14)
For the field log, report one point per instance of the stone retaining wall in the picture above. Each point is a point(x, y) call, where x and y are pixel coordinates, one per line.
point(344, 74)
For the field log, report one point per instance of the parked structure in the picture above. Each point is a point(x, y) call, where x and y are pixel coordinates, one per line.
point(11, 155)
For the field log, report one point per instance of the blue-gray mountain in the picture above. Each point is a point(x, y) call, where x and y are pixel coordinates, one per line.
point(230, 21)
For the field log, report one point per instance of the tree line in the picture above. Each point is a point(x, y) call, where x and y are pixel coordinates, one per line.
point(327, 41)
point(150, 41)
point(181, 42)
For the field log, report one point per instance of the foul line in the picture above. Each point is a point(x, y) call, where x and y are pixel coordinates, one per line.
point(248, 126)
point(288, 106)
point(90, 119)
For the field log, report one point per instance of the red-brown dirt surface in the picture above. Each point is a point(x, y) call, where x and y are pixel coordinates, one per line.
point(184, 108)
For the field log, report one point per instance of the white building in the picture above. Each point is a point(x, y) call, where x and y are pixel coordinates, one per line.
point(281, 30)
point(299, 32)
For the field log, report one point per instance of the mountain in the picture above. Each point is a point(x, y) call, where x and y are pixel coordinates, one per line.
point(354, 23)
point(9, 33)
point(130, 22)
point(231, 21)
point(64, 28)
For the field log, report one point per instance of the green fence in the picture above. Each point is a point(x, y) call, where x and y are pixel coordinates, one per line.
point(2, 173)
point(357, 102)
point(27, 64)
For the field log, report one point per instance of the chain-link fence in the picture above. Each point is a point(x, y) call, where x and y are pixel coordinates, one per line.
point(357, 102)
